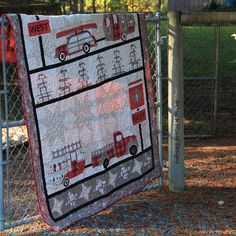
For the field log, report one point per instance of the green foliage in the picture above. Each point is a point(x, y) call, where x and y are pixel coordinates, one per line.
point(117, 5)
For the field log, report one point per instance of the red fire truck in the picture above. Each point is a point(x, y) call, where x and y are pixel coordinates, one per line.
point(117, 26)
point(77, 164)
point(80, 39)
point(121, 146)
point(69, 161)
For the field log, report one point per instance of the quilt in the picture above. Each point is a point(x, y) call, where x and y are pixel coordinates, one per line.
point(89, 107)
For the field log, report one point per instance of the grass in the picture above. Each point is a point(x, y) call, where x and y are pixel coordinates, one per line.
point(199, 50)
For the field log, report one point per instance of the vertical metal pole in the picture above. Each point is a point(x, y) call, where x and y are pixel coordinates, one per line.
point(175, 104)
point(2, 219)
point(94, 6)
point(1, 177)
point(81, 6)
point(105, 5)
point(216, 77)
point(159, 89)
point(7, 136)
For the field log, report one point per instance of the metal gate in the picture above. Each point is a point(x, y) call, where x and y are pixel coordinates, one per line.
point(18, 204)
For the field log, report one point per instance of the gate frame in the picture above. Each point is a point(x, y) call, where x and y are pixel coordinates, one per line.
point(175, 83)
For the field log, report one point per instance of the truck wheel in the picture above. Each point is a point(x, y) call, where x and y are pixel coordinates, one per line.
point(86, 48)
point(133, 150)
point(66, 182)
point(62, 56)
point(106, 163)
point(124, 36)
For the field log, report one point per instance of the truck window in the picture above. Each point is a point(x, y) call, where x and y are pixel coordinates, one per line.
point(122, 19)
point(73, 39)
point(107, 22)
point(84, 35)
point(115, 19)
point(73, 156)
point(119, 138)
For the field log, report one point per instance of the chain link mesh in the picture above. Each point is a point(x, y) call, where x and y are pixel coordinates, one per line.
point(226, 112)
point(21, 192)
point(208, 101)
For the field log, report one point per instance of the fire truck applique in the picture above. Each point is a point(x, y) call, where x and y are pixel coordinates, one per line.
point(80, 39)
point(117, 26)
point(70, 161)
point(119, 147)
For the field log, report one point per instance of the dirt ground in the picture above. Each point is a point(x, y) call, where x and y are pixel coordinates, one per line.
point(207, 207)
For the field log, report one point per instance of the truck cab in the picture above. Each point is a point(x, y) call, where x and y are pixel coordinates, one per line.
point(77, 166)
point(125, 145)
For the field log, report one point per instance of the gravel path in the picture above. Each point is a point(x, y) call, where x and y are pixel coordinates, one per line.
point(207, 207)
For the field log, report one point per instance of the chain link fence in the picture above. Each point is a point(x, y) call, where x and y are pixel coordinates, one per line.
point(19, 196)
point(209, 57)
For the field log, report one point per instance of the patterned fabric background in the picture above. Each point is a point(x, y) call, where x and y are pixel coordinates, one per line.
point(88, 101)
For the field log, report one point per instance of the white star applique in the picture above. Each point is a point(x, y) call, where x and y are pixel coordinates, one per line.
point(57, 205)
point(100, 186)
point(137, 167)
point(112, 179)
point(85, 192)
point(125, 171)
point(147, 160)
point(71, 199)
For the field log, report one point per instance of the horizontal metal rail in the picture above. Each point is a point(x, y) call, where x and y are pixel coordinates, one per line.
point(194, 78)
point(3, 20)
point(22, 222)
point(13, 123)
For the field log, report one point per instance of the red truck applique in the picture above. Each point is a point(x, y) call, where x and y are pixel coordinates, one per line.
point(77, 163)
point(119, 147)
point(69, 161)
point(117, 26)
point(80, 39)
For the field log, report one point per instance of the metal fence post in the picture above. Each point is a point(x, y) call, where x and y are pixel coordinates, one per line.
point(2, 218)
point(4, 162)
point(175, 104)
point(1, 176)
point(159, 89)
point(216, 78)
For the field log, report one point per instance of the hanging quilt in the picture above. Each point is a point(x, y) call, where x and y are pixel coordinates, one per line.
point(89, 107)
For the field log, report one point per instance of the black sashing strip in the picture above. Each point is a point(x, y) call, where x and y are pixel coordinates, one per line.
point(101, 39)
point(87, 88)
point(99, 173)
point(145, 83)
point(141, 135)
point(84, 56)
point(41, 47)
point(35, 115)
point(103, 196)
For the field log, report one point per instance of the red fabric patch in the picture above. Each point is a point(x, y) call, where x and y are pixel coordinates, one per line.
point(139, 117)
point(40, 27)
point(9, 45)
point(136, 96)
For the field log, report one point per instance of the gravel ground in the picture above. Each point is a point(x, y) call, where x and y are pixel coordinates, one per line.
point(207, 207)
